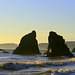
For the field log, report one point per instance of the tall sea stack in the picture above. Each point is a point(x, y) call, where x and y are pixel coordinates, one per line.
point(57, 46)
point(28, 45)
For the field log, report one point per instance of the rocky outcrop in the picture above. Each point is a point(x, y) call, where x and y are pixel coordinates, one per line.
point(5, 51)
point(73, 49)
point(1, 49)
point(57, 46)
point(28, 45)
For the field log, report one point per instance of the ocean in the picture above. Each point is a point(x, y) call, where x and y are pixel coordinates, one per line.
point(11, 64)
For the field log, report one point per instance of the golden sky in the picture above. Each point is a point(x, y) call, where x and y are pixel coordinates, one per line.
point(20, 17)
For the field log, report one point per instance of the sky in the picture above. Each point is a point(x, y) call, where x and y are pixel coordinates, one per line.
point(20, 17)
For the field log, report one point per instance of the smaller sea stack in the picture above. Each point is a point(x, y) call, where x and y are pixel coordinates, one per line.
point(28, 45)
point(57, 46)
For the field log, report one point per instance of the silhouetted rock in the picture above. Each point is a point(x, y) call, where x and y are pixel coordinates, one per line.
point(57, 46)
point(28, 45)
point(14, 66)
point(5, 51)
point(1, 49)
point(73, 49)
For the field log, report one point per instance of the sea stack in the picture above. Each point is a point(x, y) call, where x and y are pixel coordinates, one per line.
point(57, 46)
point(28, 45)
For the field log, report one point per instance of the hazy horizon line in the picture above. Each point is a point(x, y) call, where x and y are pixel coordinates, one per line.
point(38, 43)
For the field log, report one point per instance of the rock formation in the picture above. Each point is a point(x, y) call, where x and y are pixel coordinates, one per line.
point(57, 46)
point(28, 45)
point(1, 49)
point(5, 51)
point(73, 49)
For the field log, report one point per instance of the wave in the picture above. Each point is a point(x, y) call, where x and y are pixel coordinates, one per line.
point(44, 71)
point(25, 64)
point(36, 65)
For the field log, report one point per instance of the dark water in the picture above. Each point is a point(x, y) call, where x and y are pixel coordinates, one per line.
point(11, 64)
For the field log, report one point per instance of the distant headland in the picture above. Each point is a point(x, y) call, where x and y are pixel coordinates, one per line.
point(42, 46)
point(8, 46)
